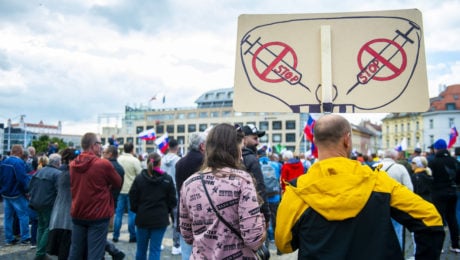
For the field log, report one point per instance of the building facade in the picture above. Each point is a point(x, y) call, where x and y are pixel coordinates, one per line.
point(214, 107)
point(24, 133)
point(423, 129)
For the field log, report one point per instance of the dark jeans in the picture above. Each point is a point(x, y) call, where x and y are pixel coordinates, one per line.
point(446, 204)
point(88, 237)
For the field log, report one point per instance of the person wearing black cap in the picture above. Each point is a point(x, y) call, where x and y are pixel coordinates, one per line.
point(446, 177)
point(251, 162)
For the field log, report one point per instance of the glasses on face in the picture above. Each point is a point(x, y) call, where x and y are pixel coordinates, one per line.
point(97, 142)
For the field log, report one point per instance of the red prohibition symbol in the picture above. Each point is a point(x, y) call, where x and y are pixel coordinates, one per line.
point(274, 57)
point(377, 62)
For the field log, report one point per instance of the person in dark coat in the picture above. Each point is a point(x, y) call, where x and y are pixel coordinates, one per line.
point(251, 162)
point(446, 174)
point(152, 197)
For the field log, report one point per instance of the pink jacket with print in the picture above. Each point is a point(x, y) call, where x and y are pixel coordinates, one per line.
point(235, 198)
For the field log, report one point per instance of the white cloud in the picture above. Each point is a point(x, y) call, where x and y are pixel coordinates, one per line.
point(82, 58)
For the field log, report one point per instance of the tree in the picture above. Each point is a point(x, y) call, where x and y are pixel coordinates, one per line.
point(42, 145)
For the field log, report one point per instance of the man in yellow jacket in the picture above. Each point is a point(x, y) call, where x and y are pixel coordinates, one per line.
point(341, 209)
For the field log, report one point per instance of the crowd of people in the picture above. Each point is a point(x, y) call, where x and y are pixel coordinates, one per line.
point(225, 196)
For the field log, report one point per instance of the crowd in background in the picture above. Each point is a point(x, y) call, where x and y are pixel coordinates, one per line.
point(43, 210)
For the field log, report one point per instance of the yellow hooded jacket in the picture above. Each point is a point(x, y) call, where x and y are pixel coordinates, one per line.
point(341, 209)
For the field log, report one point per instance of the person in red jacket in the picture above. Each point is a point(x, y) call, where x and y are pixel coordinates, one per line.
point(92, 180)
point(291, 169)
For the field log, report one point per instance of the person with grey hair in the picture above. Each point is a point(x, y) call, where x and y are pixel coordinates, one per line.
point(185, 167)
point(43, 192)
point(398, 172)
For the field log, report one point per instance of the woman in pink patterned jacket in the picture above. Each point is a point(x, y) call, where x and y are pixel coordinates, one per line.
point(233, 195)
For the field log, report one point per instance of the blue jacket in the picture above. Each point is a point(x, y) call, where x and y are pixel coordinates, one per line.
point(14, 180)
point(44, 188)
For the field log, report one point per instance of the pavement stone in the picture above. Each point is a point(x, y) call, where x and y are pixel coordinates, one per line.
point(20, 252)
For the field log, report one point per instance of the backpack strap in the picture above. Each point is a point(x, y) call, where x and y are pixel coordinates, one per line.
point(391, 165)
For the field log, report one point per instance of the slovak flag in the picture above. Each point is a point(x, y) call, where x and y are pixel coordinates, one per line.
point(452, 137)
point(147, 134)
point(163, 143)
point(308, 130)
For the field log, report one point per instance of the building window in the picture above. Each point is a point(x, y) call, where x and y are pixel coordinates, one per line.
point(139, 129)
point(263, 125)
point(408, 127)
point(402, 128)
point(290, 148)
point(431, 124)
point(191, 128)
point(409, 142)
point(450, 106)
point(203, 114)
point(170, 129)
point(121, 140)
point(290, 137)
point(180, 139)
point(215, 114)
point(396, 129)
point(431, 140)
point(276, 125)
point(451, 122)
point(251, 123)
point(160, 129)
point(264, 139)
point(180, 128)
point(181, 116)
point(417, 126)
point(192, 115)
point(276, 138)
point(203, 127)
point(396, 142)
point(388, 143)
point(226, 113)
point(290, 124)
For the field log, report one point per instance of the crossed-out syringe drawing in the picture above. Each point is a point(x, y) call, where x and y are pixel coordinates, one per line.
point(276, 63)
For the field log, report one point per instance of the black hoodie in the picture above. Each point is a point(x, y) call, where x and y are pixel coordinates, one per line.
point(152, 198)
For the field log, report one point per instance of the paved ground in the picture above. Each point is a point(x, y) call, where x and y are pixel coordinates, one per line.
point(19, 252)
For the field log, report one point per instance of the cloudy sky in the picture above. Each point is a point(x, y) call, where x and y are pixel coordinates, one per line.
point(73, 60)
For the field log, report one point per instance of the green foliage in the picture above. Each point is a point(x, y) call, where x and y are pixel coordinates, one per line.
point(42, 144)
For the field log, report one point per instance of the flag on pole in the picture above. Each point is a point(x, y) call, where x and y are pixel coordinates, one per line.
point(147, 134)
point(162, 143)
point(402, 146)
point(452, 137)
point(308, 130)
point(159, 96)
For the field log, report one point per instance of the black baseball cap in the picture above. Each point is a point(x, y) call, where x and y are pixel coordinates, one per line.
point(251, 129)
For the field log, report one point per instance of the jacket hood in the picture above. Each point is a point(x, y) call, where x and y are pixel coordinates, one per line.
point(153, 179)
point(82, 163)
point(169, 159)
point(336, 188)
